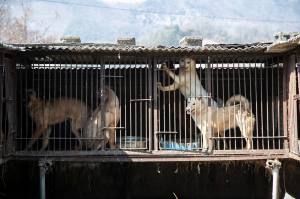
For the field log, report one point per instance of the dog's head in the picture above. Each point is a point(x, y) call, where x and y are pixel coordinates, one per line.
point(187, 63)
point(31, 98)
point(191, 106)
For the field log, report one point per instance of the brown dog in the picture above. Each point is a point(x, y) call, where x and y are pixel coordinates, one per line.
point(48, 113)
point(98, 129)
point(187, 81)
point(223, 118)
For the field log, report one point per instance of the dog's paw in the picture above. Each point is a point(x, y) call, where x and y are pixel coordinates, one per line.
point(159, 85)
point(204, 150)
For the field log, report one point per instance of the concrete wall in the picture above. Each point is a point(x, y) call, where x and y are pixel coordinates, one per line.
point(138, 180)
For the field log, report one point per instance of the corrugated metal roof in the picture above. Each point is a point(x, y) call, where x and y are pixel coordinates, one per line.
point(283, 46)
point(93, 47)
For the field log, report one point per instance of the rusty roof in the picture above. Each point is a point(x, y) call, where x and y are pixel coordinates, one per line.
point(114, 48)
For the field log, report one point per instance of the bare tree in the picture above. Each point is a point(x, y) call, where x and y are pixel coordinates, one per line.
point(17, 30)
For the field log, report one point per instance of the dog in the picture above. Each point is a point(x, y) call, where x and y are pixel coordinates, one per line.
point(47, 113)
point(96, 131)
point(223, 118)
point(187, 81)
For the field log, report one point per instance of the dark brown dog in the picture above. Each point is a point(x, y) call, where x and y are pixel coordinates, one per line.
point(48, 113)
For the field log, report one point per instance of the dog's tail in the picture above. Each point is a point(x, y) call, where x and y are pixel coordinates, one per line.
point(239, 99)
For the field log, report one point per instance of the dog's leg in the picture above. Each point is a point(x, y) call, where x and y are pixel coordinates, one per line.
point(76, 130)
point(246, 125)
point(111, 139)
point(249, 130)
point(38, 132)
point(203, 129)
point(46, 139)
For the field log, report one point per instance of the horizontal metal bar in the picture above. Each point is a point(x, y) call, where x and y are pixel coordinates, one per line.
point(262, 137)
point(165, 132)
point(113, 127)
point(204, 96)
point(117, 76)
point(140, 100)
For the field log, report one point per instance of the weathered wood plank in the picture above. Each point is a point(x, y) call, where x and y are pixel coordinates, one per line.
point(292, 106)
point(11, 106)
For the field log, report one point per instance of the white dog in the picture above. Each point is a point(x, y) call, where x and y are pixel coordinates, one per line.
point(223, 118)
point(187, 81)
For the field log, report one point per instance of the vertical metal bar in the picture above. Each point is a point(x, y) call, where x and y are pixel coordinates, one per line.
point(49, 92)
point(223, 96)
point(60, 98)
point(217, 95)
point(256, 107)
point(125, 105)
point(228, 94)
point(245, 90)
point(10, 93)
point(208, 82)
point(135, 104)
point(76, 90)
point(174, 108)
point(149, 105)
point(250, 82)
point(141, 76)
point(272, 101)
point(279, 100)
point(261, 104)
point(102, 102)
point(121, 100)
point(169, 108)
point(267, 101)
point(155, 103)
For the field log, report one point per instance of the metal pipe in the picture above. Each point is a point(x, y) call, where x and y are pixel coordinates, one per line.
point(274, 165)
point(44, 166)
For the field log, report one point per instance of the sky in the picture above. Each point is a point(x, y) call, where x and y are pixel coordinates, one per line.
point(164, 22)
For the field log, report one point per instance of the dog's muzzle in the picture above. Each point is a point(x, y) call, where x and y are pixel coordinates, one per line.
point(188, 110)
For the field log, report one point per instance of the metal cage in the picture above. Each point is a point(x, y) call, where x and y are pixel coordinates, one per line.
point(61, 98)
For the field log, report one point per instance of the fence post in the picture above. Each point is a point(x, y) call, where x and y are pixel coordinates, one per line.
point(10, 99)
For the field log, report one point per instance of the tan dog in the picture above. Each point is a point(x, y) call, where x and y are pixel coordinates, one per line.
point(187, 81)
point(93, 131)
point(223, 118)
point(48, 113)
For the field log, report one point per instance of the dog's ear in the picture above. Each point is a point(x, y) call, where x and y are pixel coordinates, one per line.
point(104, 94)
point(30, 93)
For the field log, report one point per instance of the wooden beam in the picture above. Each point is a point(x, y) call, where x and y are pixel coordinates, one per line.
point(11, 106)
point(292, 104)
point(1, 98)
